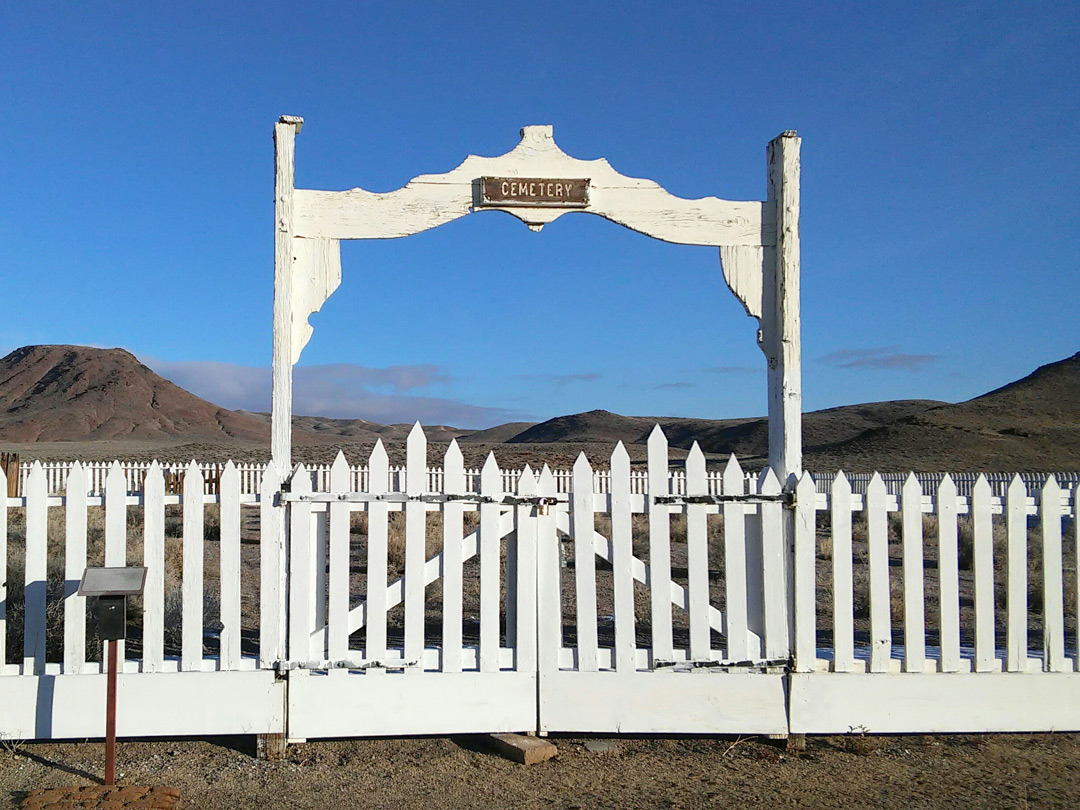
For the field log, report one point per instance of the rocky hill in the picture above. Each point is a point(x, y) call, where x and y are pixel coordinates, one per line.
point(75, 393)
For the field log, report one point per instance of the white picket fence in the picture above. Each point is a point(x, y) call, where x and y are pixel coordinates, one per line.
point(609, 600)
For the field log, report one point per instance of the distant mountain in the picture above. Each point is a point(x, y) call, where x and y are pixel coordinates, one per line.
point(79, 394)
point(1031, 424)
point(69, 393)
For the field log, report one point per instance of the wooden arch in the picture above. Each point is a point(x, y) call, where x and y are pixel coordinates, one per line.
point(758, 243)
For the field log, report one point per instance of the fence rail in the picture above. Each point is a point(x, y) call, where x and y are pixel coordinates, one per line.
point(251, 473)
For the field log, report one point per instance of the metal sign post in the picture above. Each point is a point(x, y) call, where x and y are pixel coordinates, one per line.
point(112, 587)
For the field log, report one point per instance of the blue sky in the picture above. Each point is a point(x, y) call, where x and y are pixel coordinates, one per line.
point(939, 209)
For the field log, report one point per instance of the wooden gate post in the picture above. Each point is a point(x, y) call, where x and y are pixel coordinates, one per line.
point(781, 332)
point(285, 131)
point(272, 746)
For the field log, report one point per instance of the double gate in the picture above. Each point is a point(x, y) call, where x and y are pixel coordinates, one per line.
point(480, 607)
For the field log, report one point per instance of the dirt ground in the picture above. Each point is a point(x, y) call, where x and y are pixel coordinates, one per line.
point(986, 771)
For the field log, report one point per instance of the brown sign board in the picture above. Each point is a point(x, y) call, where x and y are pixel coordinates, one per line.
point(550, 192)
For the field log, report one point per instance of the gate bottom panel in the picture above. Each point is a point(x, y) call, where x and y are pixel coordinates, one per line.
point(663, 703)
point(357, 704)
point(844, 703)
point(147, 705)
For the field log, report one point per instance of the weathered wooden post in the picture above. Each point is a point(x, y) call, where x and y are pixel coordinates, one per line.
point(285, 132)
point(780, 327)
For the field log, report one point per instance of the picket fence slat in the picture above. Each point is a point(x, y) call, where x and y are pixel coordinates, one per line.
point(36, 572)
point(880, 595)
point(697, 555)
point(659, 546)
point(74, 565)
point(913, 551)
point(272, 596)
point(301, 575)
point(983, 551)
point(191, 642)
point(1016, 640)
point(735, 580)
point(378, 522)
point(774, 570)
point(1053, 593)
point(549, 615)
point(229, 553)
point(337, 637)
point(453, 558)
point(415, 547)
point(453, 571)
point(948, 575)
point(805, 576)
point(843, 595)
point(524, 576)
point(490, 541)
point(622, 562)
point(582, 530)
point(154, 560)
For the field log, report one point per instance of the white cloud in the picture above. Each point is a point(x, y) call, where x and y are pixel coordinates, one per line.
point(341, 391)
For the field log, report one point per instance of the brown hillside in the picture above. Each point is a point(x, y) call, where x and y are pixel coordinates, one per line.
point(1031, 424)
point(747, 438)
point(75, 393)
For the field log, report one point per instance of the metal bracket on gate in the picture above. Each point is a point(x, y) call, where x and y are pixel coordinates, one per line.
point(786, 498)
point(286, 666)
point(706, 664)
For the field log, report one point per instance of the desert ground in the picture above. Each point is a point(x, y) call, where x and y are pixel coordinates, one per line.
point(1015, 771)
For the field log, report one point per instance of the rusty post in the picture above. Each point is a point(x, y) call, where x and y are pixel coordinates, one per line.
point(110, 717)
